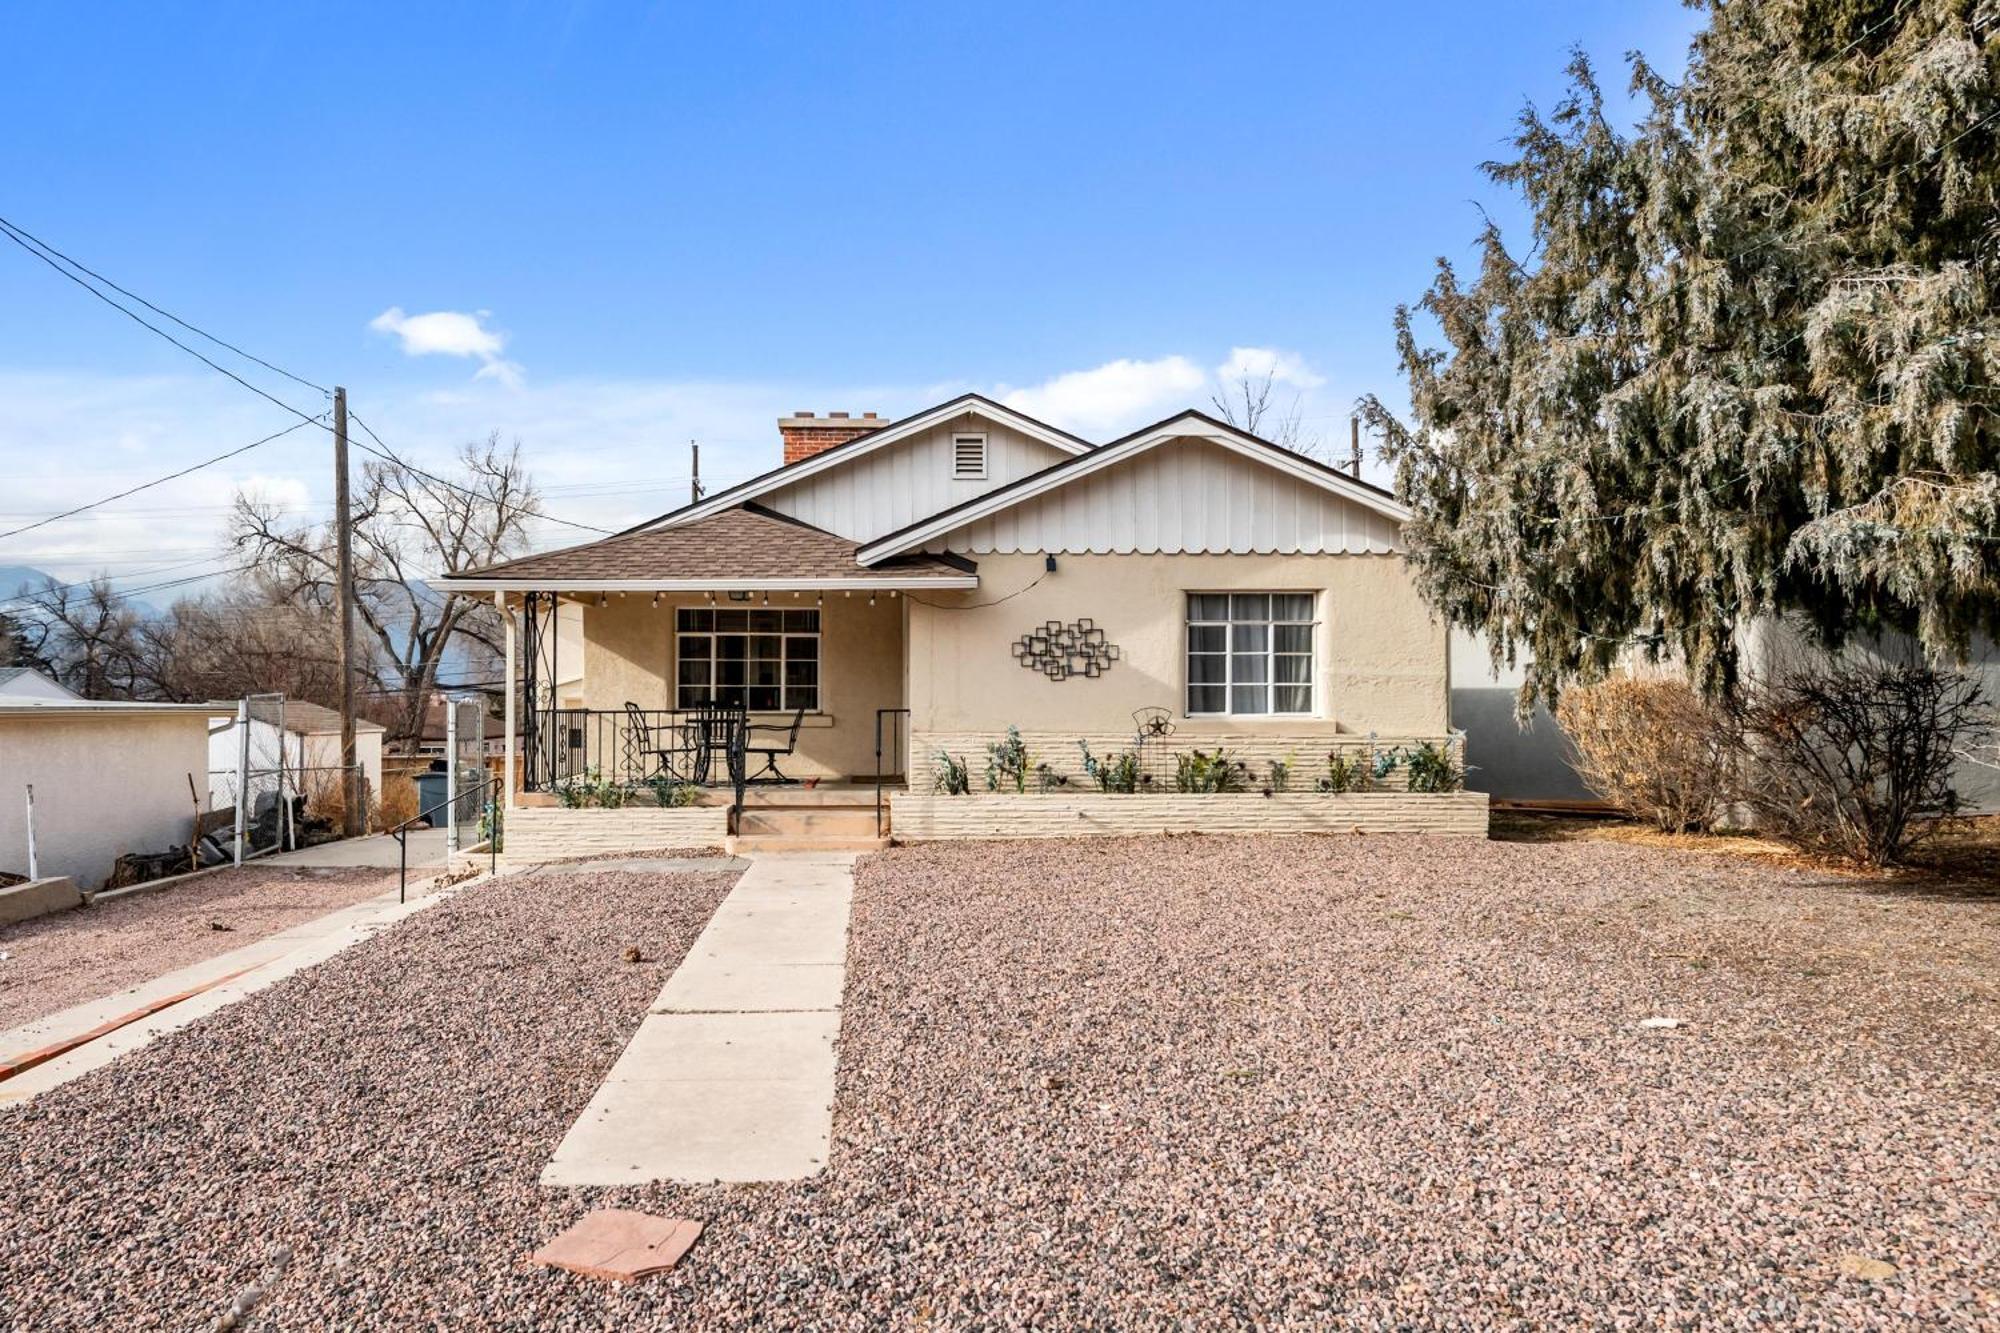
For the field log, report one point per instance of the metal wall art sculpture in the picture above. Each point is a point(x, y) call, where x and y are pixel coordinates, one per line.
point(1060, 651)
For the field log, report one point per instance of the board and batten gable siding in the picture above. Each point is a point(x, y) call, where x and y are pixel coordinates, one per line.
point(911, 479)
point(1184, 496)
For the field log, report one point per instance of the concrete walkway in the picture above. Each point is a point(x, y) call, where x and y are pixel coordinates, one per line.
point(378, 850)
point(221, 981)
point(730, 1076)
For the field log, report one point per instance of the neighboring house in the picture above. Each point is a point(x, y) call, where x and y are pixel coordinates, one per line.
point(309, 751)
point(436, 728)
point(931, 582)
point(28, 683)
point(1531, 762)
point(109, 778)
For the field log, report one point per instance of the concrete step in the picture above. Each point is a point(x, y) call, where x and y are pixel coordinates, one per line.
point(816, 822)
point(844, 795)
point(738, 844)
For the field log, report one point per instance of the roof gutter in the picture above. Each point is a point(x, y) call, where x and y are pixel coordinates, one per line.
point(884, 583)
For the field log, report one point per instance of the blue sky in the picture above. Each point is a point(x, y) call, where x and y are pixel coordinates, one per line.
point(635, 225)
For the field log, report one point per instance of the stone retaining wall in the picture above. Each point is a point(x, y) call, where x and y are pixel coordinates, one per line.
point(555, 835)
point(925, 817)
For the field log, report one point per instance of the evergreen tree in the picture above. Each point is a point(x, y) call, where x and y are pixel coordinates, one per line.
point(1748, 365)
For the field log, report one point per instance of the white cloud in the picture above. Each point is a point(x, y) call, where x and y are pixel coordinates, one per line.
point(452, 333)
point(1257, 363)
point(1122, 393)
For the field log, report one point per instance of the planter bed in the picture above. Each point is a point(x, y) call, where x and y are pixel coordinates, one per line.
point(560, 835)
point(927, 817)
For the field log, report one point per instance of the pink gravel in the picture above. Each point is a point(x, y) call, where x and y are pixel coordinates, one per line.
point(357, 1146)
point(1369, 1082)
point(56, 961)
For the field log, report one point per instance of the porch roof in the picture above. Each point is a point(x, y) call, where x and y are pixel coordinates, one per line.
point(744, 547)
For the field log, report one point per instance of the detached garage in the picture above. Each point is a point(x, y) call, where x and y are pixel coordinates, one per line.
point(109, 778)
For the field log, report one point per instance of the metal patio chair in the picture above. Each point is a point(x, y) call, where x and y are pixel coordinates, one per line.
point(771, 751)
point(673, 749)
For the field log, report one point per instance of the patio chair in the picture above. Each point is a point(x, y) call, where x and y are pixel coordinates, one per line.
point(676, 758)
point(718, 728)
point(771, 749)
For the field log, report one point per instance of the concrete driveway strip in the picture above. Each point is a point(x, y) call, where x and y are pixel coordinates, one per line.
point(730, 1076)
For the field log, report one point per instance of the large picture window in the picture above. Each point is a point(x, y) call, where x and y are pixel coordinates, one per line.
point(1249, 653)
point(763, 659)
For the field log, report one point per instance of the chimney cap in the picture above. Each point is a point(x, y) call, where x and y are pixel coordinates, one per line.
point(838, 416)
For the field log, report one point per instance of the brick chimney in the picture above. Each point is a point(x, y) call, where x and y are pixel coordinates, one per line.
point(805, 434)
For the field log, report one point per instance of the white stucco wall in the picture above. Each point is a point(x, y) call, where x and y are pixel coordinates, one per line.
point(104, 783)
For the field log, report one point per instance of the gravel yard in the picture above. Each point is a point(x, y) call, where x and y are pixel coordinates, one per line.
point(361, 1142)
point(1389, 1082)
point(56, 961)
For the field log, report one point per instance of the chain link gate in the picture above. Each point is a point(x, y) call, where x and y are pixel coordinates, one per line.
point(465, 751)
point(263, 814)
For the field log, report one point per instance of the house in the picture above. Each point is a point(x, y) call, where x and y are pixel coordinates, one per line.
point(20, 682)
point(436, 731)
point(108, 778)
point(306, 746)
point(903, 589)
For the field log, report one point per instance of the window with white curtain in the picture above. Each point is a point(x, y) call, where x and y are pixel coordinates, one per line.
point(1250, 654)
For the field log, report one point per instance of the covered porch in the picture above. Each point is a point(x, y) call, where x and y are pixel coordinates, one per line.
point(746, 652)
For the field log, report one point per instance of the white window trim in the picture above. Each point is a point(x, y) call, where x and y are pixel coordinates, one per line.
point(985, 445)
point(1229, 653)
point(674, 659)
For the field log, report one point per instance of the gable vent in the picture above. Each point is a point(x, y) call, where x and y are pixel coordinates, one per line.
point(968, 457)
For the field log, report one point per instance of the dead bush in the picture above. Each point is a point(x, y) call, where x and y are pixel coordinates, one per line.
point(399, 801)
point(1854, 758)
point(1650, 747)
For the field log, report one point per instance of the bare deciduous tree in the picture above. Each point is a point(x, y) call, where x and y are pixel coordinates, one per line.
point(85, 636)
point(1246, 404)
point(408, 526)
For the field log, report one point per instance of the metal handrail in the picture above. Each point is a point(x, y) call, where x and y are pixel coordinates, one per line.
point(899, 714)
point(401, 833)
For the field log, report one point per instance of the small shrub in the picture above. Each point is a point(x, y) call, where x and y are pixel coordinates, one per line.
point(1431, 767)
point(493, 825)
point(949, 776)
point(671, 793)
point(1653, 748)
point(1198, 771)
point(590, 789)
point(1854, 758)
point(1344, 773)
point(1007, 763)
point(1280, 777)
point(1047, 779)
point(1117, 773)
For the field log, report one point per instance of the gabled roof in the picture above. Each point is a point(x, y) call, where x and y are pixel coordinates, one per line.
point(743, 547)
point(1178, 426)
point(842, 454)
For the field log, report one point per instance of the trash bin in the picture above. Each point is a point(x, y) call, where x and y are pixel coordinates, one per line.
point(433, 790)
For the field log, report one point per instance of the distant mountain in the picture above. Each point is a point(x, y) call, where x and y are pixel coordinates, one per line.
point(17, 579)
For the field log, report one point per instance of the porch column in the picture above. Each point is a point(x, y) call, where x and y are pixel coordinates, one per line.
point(507, 777)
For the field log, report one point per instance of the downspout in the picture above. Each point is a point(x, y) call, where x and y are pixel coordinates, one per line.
point(507, 619)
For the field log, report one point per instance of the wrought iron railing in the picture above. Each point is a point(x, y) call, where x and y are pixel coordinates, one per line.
point(892, 731)
point(630, 747)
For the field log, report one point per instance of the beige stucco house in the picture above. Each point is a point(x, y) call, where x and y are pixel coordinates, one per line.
point(922, 585)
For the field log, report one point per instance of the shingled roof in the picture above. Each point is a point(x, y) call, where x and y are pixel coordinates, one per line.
point(747, 544)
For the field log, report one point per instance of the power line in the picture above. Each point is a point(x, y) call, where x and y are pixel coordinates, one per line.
point(23, 240)
point(157, 481)
point(192, 328)
point(387, 454)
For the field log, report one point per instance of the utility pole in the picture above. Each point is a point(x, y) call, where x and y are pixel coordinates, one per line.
point(695, 449)
point(1354, 446)
point(352, 815)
